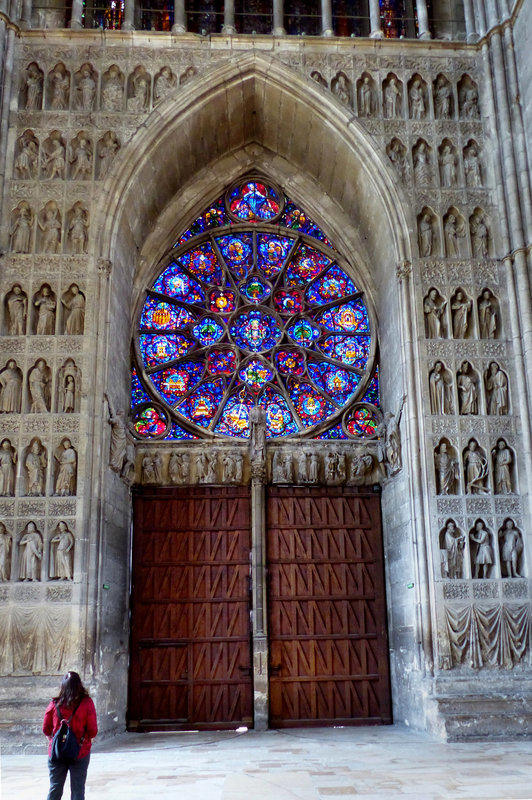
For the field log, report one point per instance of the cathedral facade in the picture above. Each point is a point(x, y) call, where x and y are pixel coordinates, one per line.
point(265, 364)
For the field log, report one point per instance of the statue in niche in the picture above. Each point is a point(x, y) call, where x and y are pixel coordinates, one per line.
point(487, 315)
point(86, 89)
point(434, 308)
point(54, 159)
point(77, 229)
point(35, 466)
point(50, 225)
point(443, 97)
point(440, 390)
point(453, 552)
point(206, 465)
point(68, 402)
point(502, 468)
point(140, 84)
point(281, 467)
point(17, 309)
point(452, 230)
point(469, 101)
point(397, 155)
point(178, 467)
point(479, 236)
point(21, 228)
point(476, 469)
point(109, 147)
point(113, 90)
point(148, 468)
point(341, 88)
point(472, 167)
point(59, 88)
point(120, 461)
point(228, 472)
point(81, 160)
point(467, 389)
point(318, 78)
point(257, 440)
point(10, 388)
point(365, 97)
point(33, 84)
point(62, 554)
point(448, 167)
point(45, 304)
point(417, 100)
point(361, 467)
point(301, 461)
point(158, 467)
point(497, 390)
point(392, 99)
point(27, 158)
point(165, 83)
point(483, 558)
point(74, 303)
point(66, 468)
point(340, 468)
point(460, 310)
point(30, 547)
point(313, 468)
point(39, 381)
point(422, 165)
point(8, 460)
point(426, 235)
point(511, 547)
point(392, 441)
point(187, 75)
point(330, 467)
point(5, 553)
point(446, 470)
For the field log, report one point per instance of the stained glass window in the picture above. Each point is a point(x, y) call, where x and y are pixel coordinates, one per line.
point(254, 307)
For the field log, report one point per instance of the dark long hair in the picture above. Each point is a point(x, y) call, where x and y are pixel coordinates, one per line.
point(71, 691)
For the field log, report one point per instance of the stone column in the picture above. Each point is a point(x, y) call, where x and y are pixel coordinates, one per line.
point(470, 26)
point(180, 20)
point(375, 20)
point(326, 18)
point(76, 18)
point(229, 17)
point(129, 15)
point(278, 18)
point(422, 19)
point(25, 15)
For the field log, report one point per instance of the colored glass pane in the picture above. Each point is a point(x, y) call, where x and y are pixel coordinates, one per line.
point(159, 349)
point(201, 405)
point(310, 405)
point(208, 331)
point(279, 418)
point(295, 218)
point(174, 382)
point(334, 285)
point(165, 316)
point(255, 202)
point(336, 432)
point(255, 374)
point(221, 361)
point(149, 422)
point(138, 393)
point(177, 284)
point(338, 383)
point(255, 330)
point(177, 433)
point(352, 350)
point(363, 422)
point(303, 332)
point(305, 265)
point(214, 217)
point(234, 419)
point(237, 252)
point(372, 395)
point(254, 290)
point(349, 317)
point(289, 362)
point(288, 301)
point(272, 252)
point(202, 262)
point(222, 301)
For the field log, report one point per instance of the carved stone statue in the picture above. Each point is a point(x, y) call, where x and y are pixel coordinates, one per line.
point(330, 467)
point(281, 467)
point(53, 157)
point(483, 557)
point(469, 101)
point(165, 83)
point(479, 236)
point(392, 99)
point(417, 100)
point(301, 467)
point(422, 164)
point(66, 468)
point(502, 468)
point(453, 552)
point(467, 389)
point(78, 229)
point(35, 466)
point(341, 472)
point(452, 230)
point(179, 467)
point(108, 148)
point(45, 304)
point(30, 547)
point(49, 221)
point(68, 385)
point(158, 467)
point(206, 467)
point(118, 444)
point(81, 159)
point(8, 460)
point(426, 235)
point(17, 310)
point(393, 439)
point(59, 82)
point(10, 388)
point(472, 171)
point(341, 88)
point(139, 99)
point(397, 155)
point(448, 167)
point(62, 554)
point(497, 390)
point(443, 98)
point(74, 303)
point(511, 547)
point(460, 310)
point(446, 470)
point(187, 75)
point(86, 89)
point(475, 468)
point(487, 315)
point(113, 90)
point(318, 77)
point(33, 83)
point(21, 228)
point(6, 543)
point(27, 158)
point(313, 468)
point(39, 381)
point(69, 395)
point(366, 97)
point(361, 467)
point(434, 308)
point(147, 474)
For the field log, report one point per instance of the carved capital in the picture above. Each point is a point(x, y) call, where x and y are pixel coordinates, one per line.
point(404, 269)
point(104, 266)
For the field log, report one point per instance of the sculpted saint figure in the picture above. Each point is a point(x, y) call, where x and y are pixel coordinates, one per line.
point(5, 553)
point(39, 386)
point(77, 230)
point(45, 304)
point(60, 85)
point(446, 470)
point(426, 236)
point(483, 558)
point(454, 542)
point(417, 100)
point(314, 468)
point(109, 147)
point(422, 165)
point(165, 83)
point(113, 91)
point(396, 154)
point(470, 102)
point(206, 467)
point(30, 547)
point(365, 98)
point(54, 161)
point(21, 228)
point(118, 445)
point(472, 167)
point(75, 308)
point(81, 159)
point(442, 99)
point(460, 308)
point(512, 547)
point(61, 554)
point(10, 388)
point(487, 315)
point(448, 167)
point(68, 405)
point(86, 90)
point(35, 466)
point(140, 99)
point(26, 161)
point(476, 469)
point(434, 307)
point(497, 389)
point(302, 476)
point(479, 236)
point(340, 88)
point(33, 86)
point(392, 99)
point(17, 308)
point(467, 390)
point(452, 231)
point(502, 468)
point(67, 460)
point(8, 460)
point(148, 468)
point(50, 225)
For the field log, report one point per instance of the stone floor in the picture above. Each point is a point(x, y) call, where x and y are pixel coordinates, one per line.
point(315, 764)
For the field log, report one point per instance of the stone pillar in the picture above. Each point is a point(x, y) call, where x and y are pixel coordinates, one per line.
point(129, 15)
point(76, 18)
point(180, 20)
point(326, 18)
point(229, 17)
point(375, 20)
point(25, 15)
point(278, 18)
point(469, 14)
point(422, 19)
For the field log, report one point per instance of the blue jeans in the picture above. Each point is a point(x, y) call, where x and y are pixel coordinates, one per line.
point(78, 776)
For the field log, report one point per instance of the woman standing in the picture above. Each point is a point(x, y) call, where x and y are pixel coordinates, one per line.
point(73, 701)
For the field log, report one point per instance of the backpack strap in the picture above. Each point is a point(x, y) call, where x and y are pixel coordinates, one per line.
point(61, 718)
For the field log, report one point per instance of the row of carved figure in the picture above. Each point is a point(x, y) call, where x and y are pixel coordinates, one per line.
point(461, 318)
point(41, 311)
point(40, 388)
point(31, 552)
point(453, 236)
point(55, 159)
point(475, 477)
point(480, 554)
point(51, 234)
point(392, 100)
point(34, 467)
point(446, 168)
point(471, 398)
point(86, 91)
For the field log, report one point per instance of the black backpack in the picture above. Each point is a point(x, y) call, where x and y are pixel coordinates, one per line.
point(65, 746)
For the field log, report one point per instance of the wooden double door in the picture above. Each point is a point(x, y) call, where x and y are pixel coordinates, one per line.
point(191, 617)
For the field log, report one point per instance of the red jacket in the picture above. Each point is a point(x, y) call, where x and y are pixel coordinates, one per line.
point(83, 724)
